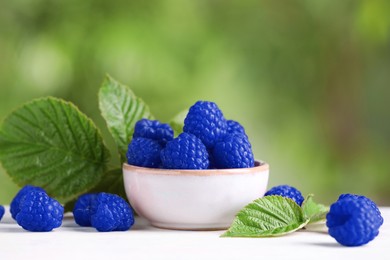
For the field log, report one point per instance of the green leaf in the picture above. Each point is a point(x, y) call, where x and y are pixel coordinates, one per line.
point(267, 216)
point(314, 211)
point(121, 109)
point(177, 122)
point(51, 144)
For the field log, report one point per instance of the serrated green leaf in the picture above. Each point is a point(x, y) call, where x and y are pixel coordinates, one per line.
point(50, 143)
point(267, 216)
point(177, 122)
point(314, 211)
point(121, 109)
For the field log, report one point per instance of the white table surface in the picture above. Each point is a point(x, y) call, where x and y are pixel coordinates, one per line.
point(145, 242)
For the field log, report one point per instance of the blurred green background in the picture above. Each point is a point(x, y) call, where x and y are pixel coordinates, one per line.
point(309, 80)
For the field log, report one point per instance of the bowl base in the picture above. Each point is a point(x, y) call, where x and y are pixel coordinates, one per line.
point(191, 227)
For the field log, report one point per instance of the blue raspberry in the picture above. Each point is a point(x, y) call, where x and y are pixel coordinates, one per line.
point(373, 205)
point(234, 151)
point(144, 152)
point(82, 209)
point(2, 211)
point(111, 212)
point(39, 212)
point(153, 129)
point(235, 128)
point(14, 207)
point(288, 192)
point(206, 121)
point(353, 220)
point(185, 152)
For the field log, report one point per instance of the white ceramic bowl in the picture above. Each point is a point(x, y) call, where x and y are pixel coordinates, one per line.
point(193, 199)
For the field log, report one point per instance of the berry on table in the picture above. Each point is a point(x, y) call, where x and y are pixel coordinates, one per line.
point(153, 129)
point(111, 212)
point(38, 212)
point(234, 151)
point(206, 121)
point(2, 211)
point(287, 191)
point(185, 152)
point(15, 203)
point(353, 220)
point(369, 201)
point(82, 209)
point(144, 152)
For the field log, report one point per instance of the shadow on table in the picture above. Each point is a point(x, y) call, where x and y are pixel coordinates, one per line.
point(12, 229)
point(325, 244)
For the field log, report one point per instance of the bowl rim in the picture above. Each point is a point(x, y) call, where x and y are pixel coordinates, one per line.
point(260, 166)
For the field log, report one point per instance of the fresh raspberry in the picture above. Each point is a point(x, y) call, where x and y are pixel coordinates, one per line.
point(373, 205)
point(144, 152)
point(14, 207)
point(185, 152)
point(82, 209)
point(234, 151)
point(235, 128)
point(126, 216)
point(206, 121)
point(111, 212)
point(2, 211)
point(353, 220)
point(39, 212)
point(153, 129)
point(288, 192)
